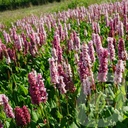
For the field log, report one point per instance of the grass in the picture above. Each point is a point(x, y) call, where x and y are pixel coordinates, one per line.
point(7, 17)
point(10, 16)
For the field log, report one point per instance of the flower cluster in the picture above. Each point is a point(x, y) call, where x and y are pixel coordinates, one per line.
point(67, 78)
point(98, 44)
point(7, 108)
point(53, 70)
point(57, 47)
point(85, 72)
point(61, 76)
point(22, 116)
point(111, 48)
point(72, 61)
point(122, 55)
point(103, 68)
point(36, 88)
point(118, 76)
point(91, 51)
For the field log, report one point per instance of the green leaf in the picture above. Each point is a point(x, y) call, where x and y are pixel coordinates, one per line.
point(21, 98)
point(12, 124)
point(73, 125)
point(52, 104)
point(7, 124)
point(59, 115)
point(34, 116)
point(119, 101)
point(122, 90)
point(2, 115)
point(120, 125)
point(120, 97)
point(23, 90)
point(41, 124)
point(111, 93)
point(100, 98)
point(125, 110)
point(33, 124)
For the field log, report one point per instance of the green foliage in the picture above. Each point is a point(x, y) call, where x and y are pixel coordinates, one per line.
point(107, 105)
point(14, 4)
point(76, 3)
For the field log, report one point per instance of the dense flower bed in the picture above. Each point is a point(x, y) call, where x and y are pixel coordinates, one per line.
point(66, 69)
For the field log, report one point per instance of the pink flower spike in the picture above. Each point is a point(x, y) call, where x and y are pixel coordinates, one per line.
point(111, 48)
point(53, 71)
point(22, 116)
point(91, 51)
point(122, 54)
point(118, 76)
point(36, 88)
point(103, 68)
point(7, 108)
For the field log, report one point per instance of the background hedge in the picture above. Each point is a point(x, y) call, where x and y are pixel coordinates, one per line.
point(14, 4)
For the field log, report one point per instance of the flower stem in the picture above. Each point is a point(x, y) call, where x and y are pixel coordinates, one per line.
point(44, 114)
